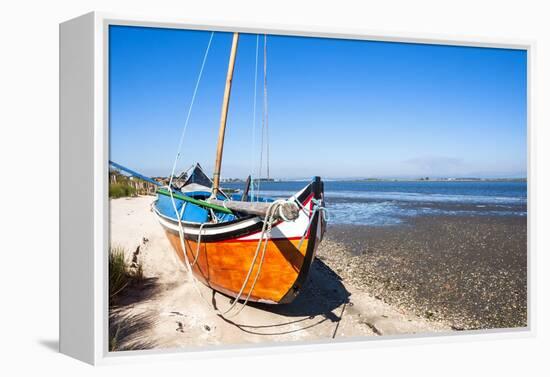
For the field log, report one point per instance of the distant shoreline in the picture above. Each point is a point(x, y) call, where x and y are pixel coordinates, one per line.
point(440, 180)
point(368, 180)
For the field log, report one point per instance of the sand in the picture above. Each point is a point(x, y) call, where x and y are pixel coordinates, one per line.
point(167, 311)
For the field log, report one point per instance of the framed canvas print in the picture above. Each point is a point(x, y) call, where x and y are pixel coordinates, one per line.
point(227, 187)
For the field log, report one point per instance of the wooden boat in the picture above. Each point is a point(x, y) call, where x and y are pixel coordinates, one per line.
point(258, 250)
point(225, 251)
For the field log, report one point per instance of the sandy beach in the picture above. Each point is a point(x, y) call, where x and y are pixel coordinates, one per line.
point(167, 310)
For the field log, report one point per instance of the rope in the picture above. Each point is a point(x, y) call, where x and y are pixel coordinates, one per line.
point(185, 173)
point(317, 206)
point(265, 235)
point(190, 109)
point(282, 214)
point(275, 206)
point(264, 119)
point(266, 230)
point(181, 233)
point(265, 105)
point(254, 120)
point(272, 209)
point(197, 252)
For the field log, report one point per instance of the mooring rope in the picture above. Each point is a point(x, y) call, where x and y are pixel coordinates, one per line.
point(266, 231)
point(198, 250)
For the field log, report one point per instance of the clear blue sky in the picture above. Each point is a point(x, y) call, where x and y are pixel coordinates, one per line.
point(337, 108)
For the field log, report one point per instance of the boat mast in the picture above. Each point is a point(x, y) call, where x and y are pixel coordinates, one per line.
point(223, 121)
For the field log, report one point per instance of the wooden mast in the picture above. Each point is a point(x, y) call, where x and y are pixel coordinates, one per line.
point(223, 121)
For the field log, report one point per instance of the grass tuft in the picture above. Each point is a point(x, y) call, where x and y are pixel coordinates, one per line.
point(119, 276)
point(121, 273)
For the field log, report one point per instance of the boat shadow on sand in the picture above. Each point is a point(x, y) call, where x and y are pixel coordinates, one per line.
point(322, 299)
point(317, 302)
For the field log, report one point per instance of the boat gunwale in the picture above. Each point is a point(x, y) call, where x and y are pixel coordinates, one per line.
point(303, 196)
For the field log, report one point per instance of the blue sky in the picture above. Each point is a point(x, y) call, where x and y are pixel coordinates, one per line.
point(337, 108)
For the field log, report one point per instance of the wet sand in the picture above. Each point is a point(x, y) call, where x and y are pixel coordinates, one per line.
point(470, 272)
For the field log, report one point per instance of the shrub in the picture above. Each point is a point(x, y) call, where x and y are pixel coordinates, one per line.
point(119, 190)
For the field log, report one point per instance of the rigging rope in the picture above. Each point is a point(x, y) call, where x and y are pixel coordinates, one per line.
point(274, 207)
point(182, 137)
point(254, 121)
point(264, 120)
point(265, 105)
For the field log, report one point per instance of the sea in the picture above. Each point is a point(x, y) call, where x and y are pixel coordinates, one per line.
point(386, 203)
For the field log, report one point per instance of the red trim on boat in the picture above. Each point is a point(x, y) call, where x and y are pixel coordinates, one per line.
point(269, 239)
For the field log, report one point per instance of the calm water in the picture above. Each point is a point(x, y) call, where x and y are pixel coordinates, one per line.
point(388, 203)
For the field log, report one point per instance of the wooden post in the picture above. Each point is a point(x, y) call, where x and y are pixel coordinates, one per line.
point(244, 197)
point(223, 121)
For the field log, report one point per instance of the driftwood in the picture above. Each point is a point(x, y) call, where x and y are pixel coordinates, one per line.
point(290, 210)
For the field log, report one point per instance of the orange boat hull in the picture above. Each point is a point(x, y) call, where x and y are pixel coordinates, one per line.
point(227, 251)
point(223, 266)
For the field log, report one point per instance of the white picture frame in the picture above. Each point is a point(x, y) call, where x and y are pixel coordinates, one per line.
point(84, 146)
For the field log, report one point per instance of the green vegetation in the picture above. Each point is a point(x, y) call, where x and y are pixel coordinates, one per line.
point(119, 190)
point(121, 274)
point(121, 185)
